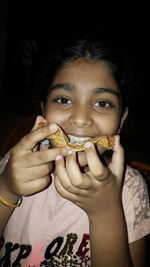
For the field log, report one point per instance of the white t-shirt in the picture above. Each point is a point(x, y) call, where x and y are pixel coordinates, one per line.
point(48, 230)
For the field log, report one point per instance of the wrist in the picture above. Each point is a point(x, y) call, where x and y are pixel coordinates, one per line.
point(6, 194)
point(108, 215)
point(4, 202)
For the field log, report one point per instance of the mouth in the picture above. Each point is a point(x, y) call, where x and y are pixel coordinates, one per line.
point(78, 140)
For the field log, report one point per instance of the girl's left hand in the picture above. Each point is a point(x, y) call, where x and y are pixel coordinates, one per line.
point(96, 190)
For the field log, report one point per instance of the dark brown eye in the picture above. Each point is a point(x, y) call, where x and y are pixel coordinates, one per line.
point(62, 100)
point(103, 104)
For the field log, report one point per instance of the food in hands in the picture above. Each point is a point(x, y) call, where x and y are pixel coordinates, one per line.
point(60, 139)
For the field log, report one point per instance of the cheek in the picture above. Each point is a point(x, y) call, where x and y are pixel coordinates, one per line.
point(55, 116)
point(108, 125)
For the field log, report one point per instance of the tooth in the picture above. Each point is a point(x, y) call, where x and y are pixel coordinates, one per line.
point(74, 139)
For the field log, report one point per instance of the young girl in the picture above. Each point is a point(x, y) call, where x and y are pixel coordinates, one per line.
point(78, 208)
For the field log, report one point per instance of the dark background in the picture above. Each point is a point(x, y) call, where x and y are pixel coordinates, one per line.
point(28, 29)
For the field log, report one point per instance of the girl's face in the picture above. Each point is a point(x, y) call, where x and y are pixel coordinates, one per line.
point(85, 101)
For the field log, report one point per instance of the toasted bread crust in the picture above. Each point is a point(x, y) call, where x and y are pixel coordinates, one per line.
point(59, 139)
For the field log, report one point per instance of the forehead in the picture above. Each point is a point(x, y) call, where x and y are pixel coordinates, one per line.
point(83, 72)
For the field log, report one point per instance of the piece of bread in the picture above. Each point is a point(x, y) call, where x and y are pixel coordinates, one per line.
point(59, 139)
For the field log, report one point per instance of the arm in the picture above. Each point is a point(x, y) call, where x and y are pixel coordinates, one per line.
point(108, 231)
point(5, 212)
point(26, 172)
point(98, 192)
point(109, 244)
point(137, 249)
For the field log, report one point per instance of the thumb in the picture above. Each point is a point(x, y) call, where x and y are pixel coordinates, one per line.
point(37, 121)
point(117, 163)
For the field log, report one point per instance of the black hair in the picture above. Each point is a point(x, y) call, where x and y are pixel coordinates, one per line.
point(96, 51)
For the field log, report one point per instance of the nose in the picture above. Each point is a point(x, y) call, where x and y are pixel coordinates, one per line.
point(81, 118)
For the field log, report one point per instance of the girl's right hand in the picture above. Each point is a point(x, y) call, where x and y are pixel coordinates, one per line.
point(28, 172)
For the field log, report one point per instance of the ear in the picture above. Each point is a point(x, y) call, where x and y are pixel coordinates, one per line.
point(123, 118)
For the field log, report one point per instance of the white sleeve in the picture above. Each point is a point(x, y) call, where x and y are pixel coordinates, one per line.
point(136, 205)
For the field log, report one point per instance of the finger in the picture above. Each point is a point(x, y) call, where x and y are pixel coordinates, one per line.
point(36, 185)
point(63, 175)
point(64, 192)
point(29, 141)
point(97, 169)
point(117, 162)
point(39, 118)
point(76, 177)
point(37, 121)
point(43, 156)
point(37, 172)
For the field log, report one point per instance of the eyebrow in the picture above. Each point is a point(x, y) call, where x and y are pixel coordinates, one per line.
point(96, 90)
point(63, 86)
point(106, 90)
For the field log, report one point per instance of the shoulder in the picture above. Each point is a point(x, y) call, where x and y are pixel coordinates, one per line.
point(135, 185)
point(134, 181)
point(135, 189)
point(136, 204)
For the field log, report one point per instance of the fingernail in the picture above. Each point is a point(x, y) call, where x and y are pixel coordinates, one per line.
point(69, 152)
point(87, 144)
point(53, 127)
point(58, 157)
point(64, 151)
